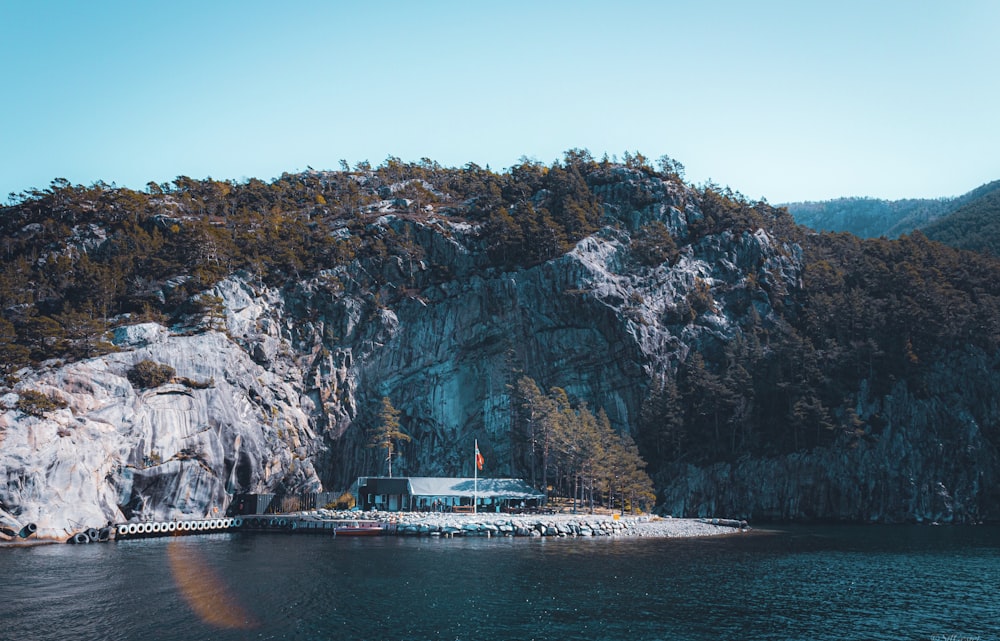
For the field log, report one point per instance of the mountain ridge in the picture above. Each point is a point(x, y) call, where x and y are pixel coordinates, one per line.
point(950, 220)
point(737, 349)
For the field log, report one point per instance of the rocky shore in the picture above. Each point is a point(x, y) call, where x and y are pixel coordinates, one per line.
point(554, 525)
point(462, 525)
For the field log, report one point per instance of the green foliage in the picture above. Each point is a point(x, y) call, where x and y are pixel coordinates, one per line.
point(345, 501)
point(966, 222)
point(37, 404)
point(700, 297)
point(974, 225)
point(589, 461)
point(387, 433)
point(12, 355)
point(79, 260)
point(725, 210)
point(870, 217)
point(148, 374)
point(213, 310)
point(671, 168)
point(662, 430)
point(654, 245)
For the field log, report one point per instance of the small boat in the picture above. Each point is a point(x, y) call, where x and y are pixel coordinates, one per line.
point(357, 527)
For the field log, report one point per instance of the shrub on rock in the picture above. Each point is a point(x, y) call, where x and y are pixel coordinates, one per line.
point(37, 403)
point(148, 374)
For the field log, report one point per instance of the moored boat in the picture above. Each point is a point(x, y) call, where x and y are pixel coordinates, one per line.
point(358, 527)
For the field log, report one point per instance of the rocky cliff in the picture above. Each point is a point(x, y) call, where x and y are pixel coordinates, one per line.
point(931, 462)
point(116, 452)
point(279, 396)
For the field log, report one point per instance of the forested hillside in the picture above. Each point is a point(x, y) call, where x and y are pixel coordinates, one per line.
point(974, 226)
point(81, 259)
point(734, 347)
point(965, 222)
point(870, 217)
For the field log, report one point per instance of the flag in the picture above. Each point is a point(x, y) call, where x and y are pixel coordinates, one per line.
point(479, 458)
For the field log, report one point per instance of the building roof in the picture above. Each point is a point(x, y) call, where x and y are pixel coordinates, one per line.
point(486, 488)
point(483, 488)
point(387, 485)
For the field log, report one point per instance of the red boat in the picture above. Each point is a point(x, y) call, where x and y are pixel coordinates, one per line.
point(352, 527)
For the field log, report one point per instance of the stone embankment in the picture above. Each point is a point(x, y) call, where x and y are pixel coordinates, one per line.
point(553, 525)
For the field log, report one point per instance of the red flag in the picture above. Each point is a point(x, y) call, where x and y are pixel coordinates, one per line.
point(479, 458)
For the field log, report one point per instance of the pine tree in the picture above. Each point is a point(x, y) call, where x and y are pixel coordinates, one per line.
point(661, 422)
point(386, 434)
point(12, 355)
point(637, 487)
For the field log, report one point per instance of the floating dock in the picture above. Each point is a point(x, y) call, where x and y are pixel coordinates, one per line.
point(276, 523)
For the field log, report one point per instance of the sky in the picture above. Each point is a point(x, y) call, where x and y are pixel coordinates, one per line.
point(782, 100)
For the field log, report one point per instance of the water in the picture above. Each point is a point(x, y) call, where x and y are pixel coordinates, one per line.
point(865, 583)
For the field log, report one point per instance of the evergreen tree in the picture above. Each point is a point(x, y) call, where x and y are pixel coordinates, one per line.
point(387, 433)
point(637, 487)
point(661, 421)
point(12, 355)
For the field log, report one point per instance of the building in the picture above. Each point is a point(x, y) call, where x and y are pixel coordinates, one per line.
point(428, 494)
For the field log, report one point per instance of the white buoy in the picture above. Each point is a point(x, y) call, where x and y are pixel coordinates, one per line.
point(172, 526)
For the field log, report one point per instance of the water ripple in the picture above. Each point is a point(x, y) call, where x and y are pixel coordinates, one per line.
point(820, 584)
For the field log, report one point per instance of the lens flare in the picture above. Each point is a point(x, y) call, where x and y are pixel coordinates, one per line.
point(204, 591)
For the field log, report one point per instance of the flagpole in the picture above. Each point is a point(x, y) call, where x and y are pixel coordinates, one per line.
point(475, 477)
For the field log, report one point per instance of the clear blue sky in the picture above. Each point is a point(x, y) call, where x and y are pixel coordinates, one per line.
point(787, 100)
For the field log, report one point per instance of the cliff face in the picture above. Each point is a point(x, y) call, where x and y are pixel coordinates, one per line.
point(280, 398)
point(931, 462)
point(115, 452)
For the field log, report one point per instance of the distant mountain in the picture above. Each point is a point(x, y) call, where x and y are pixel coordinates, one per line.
point(870, 217)
point(874, 218)
point(975, 225)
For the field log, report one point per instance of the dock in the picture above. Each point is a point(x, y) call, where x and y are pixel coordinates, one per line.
point(273, 523)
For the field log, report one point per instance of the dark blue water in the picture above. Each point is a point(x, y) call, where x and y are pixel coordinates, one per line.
point(871, 583)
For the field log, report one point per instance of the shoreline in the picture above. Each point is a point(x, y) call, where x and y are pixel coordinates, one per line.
point(448, 525)
point(560, 525)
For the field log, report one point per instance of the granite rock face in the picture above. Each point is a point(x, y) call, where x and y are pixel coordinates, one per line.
point(279, 397)
point(282, 398)
point(116, 452)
